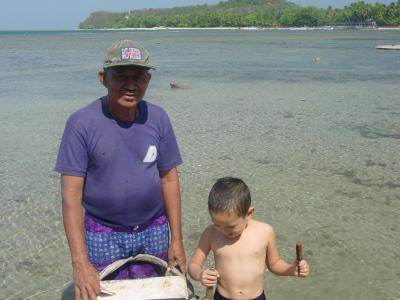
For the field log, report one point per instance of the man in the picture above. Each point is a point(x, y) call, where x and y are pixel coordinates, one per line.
point(119, 182)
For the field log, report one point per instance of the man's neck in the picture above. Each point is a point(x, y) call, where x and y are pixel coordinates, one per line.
point(122, 113)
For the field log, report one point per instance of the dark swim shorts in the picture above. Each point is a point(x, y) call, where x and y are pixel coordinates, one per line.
point(106, 244)
point(218, 296)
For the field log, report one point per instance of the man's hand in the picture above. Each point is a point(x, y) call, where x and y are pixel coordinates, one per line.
point(176, 254)
point(86, 281)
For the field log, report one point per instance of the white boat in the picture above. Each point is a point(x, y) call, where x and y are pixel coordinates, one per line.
point(388, 47)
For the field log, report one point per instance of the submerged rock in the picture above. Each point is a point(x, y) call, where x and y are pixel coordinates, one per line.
point(179, 85)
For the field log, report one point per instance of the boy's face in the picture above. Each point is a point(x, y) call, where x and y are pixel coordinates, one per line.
point(230, 224)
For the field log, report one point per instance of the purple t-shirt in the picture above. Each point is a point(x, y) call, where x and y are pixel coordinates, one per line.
point(120, 161)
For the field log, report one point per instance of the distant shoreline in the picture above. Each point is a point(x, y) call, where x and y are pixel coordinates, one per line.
point(212, 28)
point(250, 28)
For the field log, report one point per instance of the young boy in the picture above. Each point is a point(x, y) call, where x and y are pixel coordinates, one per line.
point(241, 246)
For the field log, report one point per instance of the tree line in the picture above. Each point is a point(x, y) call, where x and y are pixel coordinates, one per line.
point(249, 13)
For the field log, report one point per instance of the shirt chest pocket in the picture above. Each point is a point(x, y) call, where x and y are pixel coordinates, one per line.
point(151, 154)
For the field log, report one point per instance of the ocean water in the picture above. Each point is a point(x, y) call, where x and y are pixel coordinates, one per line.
point(309, 119)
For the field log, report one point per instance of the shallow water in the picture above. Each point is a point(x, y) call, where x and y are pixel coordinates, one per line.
point(309, 119)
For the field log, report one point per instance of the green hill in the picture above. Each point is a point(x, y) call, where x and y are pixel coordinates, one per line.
point(246, 13)
point(224, 14)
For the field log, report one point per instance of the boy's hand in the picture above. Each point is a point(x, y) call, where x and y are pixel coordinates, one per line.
point(302, 268)
point(209, 277)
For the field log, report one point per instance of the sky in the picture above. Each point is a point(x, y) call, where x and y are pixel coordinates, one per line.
point(67, 14)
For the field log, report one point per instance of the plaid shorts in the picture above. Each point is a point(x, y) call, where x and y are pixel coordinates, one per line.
point(106, 244)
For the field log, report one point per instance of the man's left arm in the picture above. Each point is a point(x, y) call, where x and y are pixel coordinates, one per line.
point(172, 201)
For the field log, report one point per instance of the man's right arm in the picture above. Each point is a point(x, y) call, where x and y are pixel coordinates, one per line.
point(86, 280)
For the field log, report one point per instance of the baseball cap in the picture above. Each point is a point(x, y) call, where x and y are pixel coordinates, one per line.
point(127, 53)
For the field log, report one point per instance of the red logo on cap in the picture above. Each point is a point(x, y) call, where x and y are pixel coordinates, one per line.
point(131, 53)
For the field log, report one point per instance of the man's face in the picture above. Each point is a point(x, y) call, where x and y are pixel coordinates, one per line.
point(126, 85)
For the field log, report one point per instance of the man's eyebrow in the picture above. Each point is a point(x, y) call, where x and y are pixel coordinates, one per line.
point(136, 70)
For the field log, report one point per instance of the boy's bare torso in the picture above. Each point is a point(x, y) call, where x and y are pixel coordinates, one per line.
point(240, 261)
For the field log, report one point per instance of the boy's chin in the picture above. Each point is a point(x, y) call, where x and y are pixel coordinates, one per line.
point(232, 236)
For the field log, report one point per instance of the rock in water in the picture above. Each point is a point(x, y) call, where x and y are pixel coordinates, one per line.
point(179, 85)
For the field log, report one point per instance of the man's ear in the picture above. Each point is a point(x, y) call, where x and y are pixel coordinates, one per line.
point(102, 78)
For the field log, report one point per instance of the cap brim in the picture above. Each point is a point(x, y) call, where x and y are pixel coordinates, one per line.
point(121, 64)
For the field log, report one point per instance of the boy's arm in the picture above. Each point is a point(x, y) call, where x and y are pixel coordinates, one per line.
point(198, 258)
point(196, 270)
point(275, 264)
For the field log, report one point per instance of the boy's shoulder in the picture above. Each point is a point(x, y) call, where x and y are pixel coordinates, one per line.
point(209, 229)
point(208, 234)
point(261, 226)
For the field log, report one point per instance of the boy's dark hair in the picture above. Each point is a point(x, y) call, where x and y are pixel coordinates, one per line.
point(229, 195)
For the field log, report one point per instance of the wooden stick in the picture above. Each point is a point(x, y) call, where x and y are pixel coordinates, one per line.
point(209, 293)
point(299, 251)
point(210, 289)
point(299, 254)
